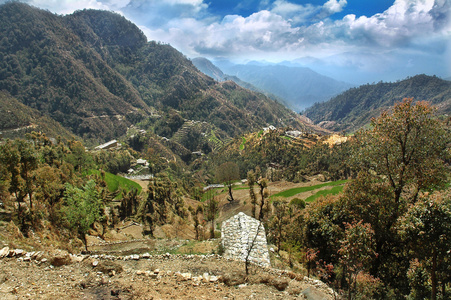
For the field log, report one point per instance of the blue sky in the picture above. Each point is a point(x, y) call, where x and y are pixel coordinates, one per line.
point(357, 41)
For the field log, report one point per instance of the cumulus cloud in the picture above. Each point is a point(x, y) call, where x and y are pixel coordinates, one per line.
point(331, 7)
point(69, 6)
point(282, 29)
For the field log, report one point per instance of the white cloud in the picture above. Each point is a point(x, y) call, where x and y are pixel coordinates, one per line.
point(331, 7)
point(285, 30)
point(67, 6)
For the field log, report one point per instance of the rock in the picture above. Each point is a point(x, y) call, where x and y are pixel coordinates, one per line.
point(139, 272)
point(60, 258)
point(76, 258)
point(95, 263)
point(206, 277)
point(213, 278)
point(19, 252)
point(279, 283)
point(145, 255)
point(4, 252)
point(183, 276)
point(135, 257)
point(106, 267)
point(312, 293)
point(233, 279)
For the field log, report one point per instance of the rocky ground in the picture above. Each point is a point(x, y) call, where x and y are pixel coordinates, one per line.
point(59, 275)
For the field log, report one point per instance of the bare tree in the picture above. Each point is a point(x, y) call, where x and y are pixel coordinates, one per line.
point(227, 173)
point(250, 246)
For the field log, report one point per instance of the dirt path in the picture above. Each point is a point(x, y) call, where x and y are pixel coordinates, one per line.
point(142, 183)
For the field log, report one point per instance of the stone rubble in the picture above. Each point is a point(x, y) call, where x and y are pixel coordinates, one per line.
point(47, 258)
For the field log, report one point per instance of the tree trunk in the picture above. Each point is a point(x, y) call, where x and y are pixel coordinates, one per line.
point(433, 275)
point(230, 193)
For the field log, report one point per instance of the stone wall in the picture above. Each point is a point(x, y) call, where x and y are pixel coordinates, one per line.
point(242, 233)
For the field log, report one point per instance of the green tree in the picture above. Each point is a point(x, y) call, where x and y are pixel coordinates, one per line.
point(82, 208)
point(402, 154)
point(210, 211)
point(279, 221)
point(426, 227)
point(408, 146)
point(263, 184)
point(357, 252)
point(251, 183)
point(228, 173)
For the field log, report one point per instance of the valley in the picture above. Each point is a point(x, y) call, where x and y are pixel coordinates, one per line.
point(121, 161)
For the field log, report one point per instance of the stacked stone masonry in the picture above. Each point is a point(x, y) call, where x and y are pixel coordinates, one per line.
point(242, 233)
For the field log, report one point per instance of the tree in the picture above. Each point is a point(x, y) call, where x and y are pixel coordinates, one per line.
point(210, 211)
point(82, 208)
point(357, 251)
point(263, 184)
point(250, 245)
point(228, 173)
point(426, 227)
point(402, 154)
point(407, 145)
point(251, 183)
point(279, 221)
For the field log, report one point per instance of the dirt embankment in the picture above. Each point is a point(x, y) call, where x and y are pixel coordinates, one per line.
point(58, 275)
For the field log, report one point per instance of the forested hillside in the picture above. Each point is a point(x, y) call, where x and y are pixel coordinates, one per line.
point(354, 108)
point(17, 119)
point(96, 74)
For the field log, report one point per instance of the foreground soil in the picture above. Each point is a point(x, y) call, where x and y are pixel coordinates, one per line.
point(153, 277)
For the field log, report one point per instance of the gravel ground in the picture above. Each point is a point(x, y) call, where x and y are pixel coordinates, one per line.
point(155, 277)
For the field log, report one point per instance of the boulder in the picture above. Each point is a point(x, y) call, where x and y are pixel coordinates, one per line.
point(107, 267)
point(60, 258)
point(4, 252)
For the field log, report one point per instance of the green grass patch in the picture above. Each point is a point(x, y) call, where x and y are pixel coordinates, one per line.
point(295, 191)
point(333, 191)
point(115, 182)
point(236, 188)
point(243, 143)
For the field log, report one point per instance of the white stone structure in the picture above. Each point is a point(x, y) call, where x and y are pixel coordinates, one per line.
point(242, 236)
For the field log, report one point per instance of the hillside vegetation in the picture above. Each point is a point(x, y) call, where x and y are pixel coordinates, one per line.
point(96, 74)
point(354, 108)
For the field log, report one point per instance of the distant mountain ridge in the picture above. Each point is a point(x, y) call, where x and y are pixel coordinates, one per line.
point(354, 108)
point(96, 73)
point(208, 68)
point(300, 87)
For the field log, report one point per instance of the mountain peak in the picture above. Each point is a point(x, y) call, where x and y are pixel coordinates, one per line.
point(111, 27)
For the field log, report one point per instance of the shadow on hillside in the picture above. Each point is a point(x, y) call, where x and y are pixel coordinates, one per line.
point(5, 216)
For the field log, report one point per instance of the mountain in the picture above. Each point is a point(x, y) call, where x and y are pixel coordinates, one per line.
point(96, 74)
point(300, 87)
point(208, 68)
point(354, 108)
point(16, 119)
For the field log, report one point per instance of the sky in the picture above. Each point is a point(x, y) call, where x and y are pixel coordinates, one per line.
point(358, 41)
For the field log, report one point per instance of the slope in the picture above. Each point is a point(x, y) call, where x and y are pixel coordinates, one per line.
point(354, 108)
point(16, 119)
point(96, 74)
